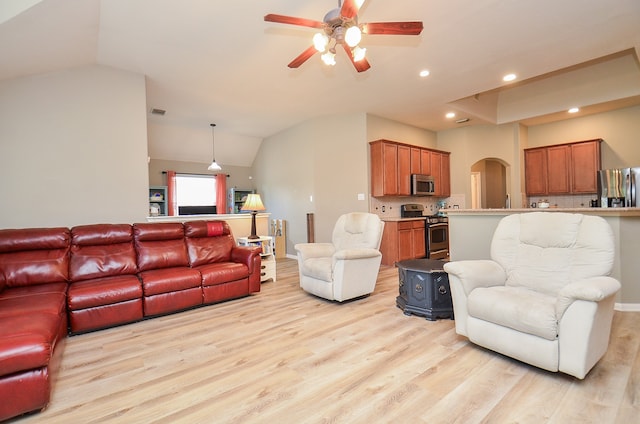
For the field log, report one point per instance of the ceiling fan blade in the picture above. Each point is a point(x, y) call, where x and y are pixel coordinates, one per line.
point(282, 19)
point(303, 57)
point(361, 65)
point(393, 28)
point(350, 8)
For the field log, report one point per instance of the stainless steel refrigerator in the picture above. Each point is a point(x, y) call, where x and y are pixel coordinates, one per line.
point(617, 187)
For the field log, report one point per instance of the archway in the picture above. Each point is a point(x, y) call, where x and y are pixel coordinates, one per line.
point(489, 184)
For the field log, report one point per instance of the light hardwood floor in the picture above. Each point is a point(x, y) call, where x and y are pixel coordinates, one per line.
point(283, 356)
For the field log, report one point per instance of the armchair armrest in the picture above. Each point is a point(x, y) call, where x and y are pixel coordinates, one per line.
point(477, 273)
point(360, 253)
point(592, 289)
point(314, 250)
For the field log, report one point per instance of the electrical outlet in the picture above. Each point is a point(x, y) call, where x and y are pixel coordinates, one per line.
point(383, 208)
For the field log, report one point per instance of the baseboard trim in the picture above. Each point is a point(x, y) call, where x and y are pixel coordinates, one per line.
point(627, 307)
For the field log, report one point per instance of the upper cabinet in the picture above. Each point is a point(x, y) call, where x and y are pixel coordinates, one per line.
point(392, 164)
point(562, 169)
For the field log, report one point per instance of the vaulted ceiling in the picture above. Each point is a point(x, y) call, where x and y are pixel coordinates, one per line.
point(219, 61)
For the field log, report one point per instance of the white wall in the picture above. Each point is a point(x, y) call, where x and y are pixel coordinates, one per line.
point(73, 148)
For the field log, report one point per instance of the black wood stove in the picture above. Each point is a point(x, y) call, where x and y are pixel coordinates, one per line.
point(424, 289)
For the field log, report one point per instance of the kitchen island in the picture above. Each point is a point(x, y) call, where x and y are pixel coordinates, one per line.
point(471, 230)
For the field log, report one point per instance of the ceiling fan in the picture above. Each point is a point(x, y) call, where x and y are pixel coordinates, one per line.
point(340, 27)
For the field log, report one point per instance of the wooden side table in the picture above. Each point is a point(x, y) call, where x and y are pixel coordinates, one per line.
point(268, 271)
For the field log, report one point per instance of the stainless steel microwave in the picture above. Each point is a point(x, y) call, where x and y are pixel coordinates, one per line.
point(422, 185)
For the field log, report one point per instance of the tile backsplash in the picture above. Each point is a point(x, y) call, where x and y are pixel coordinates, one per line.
point(573, 201)
point(390, 207)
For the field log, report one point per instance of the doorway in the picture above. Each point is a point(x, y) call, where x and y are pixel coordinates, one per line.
point(489, 184)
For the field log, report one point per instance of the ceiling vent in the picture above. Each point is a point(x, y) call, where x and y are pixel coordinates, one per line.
point(160, 112)
point(462, 120)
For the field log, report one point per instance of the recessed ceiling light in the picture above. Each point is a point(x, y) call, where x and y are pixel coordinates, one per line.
point(509, 77)
point(450, 115)
point(574, 110)
point(424, 73)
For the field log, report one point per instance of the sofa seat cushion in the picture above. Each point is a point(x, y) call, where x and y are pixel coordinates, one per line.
point(222, 272)
point(168, 280)
point(103, 291)
point(27, 341)
point(318, 268)
point(504, 306)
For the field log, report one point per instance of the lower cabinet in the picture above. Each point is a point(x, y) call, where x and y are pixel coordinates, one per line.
point(402, 240)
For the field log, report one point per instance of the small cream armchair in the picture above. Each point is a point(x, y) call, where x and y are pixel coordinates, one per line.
point(348, 267)
point(545, 298)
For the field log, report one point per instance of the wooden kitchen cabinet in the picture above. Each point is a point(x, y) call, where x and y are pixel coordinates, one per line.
point(585, 158)
point(569, 168)
point(403, 240)
point(535, 172)
point(558, 163)
point(440, 172)
point(384, 168)
point(392, 164)
point(404, 170)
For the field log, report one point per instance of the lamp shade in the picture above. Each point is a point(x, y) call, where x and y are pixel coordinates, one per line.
point(253, 203)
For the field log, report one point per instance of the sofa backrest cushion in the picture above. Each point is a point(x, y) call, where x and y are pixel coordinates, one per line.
point(545, 251)
point(101, 250)
point(160, 245)
point(34, 256)
point(357, 230)
point(208, 242)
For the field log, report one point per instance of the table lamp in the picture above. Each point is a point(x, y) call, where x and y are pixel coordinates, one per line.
point(253, 204)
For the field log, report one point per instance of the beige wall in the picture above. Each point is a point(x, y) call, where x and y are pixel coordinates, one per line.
point(238, 176)
point(381, 128)
point(73, 148)
point(319, 167)
point(619, 129)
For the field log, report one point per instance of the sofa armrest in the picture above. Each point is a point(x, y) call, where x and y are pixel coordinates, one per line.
point(476, 273)
point(314, 250)
point(593, 289)
point(245, 255)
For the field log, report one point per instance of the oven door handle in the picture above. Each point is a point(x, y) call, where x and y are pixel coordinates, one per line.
point(439, 224)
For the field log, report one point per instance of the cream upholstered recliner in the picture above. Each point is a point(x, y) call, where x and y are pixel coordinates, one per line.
point(348, 267)
point(545, 298)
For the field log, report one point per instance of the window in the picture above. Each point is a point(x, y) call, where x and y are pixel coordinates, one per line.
point(195, 194)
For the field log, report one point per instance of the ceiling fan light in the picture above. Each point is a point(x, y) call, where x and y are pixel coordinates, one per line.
point(329, 58)
point(353, 36)
point(358, 53)
point(320, 41)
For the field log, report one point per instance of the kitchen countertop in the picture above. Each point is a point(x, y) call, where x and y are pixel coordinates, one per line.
point(399, 219)
point(586, 211)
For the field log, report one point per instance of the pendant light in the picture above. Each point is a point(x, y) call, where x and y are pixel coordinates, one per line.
point(214, 166)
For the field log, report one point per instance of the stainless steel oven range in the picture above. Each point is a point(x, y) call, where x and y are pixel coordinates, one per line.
point(436, 230)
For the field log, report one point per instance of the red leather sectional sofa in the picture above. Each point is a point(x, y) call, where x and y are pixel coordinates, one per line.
point(59, 281)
